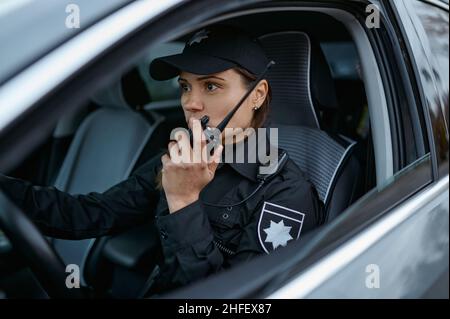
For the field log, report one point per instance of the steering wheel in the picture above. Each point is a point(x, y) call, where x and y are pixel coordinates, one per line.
point(44, 262)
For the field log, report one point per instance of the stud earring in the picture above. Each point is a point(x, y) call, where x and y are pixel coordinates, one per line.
point(255, 108)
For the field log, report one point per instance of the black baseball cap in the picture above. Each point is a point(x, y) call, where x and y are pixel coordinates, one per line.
point(211, 50)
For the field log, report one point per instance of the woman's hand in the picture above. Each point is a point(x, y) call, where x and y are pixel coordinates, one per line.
point(187, 170)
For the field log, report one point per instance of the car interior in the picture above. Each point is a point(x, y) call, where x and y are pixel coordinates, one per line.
point(320, 108)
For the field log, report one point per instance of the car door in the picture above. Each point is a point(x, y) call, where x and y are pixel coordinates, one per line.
point(405, 253)
point(344, 258)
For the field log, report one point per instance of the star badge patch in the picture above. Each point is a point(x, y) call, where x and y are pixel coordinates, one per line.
point(278, 225)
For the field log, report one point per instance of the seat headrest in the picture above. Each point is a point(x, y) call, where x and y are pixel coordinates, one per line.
point(136, 87)
point(160, 90)
point(111, 96)
point(130, 92)
point(301, 79)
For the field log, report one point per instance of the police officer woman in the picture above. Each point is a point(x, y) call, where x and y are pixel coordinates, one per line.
point(209, 214)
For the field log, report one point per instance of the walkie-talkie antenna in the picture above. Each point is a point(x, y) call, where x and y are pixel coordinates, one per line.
point(227, 118)
point(203, 122)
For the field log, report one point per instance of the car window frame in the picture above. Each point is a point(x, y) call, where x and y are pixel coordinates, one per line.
point(406, 22)
point(403, 102)
point(100, 66)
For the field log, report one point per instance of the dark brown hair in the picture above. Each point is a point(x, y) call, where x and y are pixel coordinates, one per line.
point(259, 117)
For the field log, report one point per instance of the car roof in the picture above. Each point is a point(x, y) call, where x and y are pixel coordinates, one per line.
point(30, 29)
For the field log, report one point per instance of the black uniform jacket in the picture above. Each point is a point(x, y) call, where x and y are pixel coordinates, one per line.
point(199, 239)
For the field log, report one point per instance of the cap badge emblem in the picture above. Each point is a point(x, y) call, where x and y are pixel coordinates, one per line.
point(198, 37)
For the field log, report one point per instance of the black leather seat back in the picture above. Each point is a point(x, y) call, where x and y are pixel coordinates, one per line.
point(303, 87)
point(327, 162)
